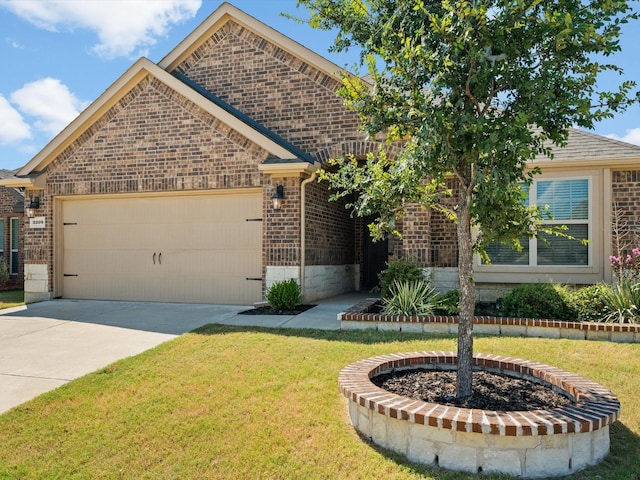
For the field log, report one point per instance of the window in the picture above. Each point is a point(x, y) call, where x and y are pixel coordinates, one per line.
point(14, 263)
point(1, 237)
point(568, 204)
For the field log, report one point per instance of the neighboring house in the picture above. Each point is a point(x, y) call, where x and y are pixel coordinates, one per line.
point(11, 230)
point(161, 190)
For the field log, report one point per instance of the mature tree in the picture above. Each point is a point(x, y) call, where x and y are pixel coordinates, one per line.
point(473, 90)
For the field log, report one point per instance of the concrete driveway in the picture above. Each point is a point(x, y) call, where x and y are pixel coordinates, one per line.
point(45, 345)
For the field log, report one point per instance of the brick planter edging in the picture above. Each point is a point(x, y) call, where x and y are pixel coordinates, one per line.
point(358, 317)
point(528, 444)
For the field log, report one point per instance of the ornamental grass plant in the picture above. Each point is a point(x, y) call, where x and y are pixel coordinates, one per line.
point(622, 303)
point(410, 298)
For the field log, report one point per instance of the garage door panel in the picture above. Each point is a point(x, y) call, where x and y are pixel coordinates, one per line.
point(178, 249)
point(203, 262)
point(226, 235)
point(118, 261)
point(91, 237)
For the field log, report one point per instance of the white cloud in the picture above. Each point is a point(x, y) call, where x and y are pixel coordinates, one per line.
point(13, 43)
point(632, 136)
point(123, 27)
point(50, 102)
point(12, 126)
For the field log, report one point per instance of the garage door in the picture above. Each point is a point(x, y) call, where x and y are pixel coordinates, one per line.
point(202, 249)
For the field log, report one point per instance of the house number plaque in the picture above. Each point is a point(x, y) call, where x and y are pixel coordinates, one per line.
point(37, 222)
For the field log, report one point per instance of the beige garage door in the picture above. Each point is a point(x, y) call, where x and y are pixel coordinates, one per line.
point(203, 249)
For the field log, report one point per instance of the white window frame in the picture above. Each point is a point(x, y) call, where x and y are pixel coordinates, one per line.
point(590, 273)
point(533, 242)
point(12, 250)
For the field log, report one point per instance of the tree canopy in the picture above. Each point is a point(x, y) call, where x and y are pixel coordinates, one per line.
point(473, 91)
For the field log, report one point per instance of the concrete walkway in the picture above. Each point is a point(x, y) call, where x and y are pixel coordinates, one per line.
point(45, 345)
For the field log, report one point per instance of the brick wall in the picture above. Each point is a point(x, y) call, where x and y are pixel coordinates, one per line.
point(428, 236)
point(278, 90)
point(330, 230)
point(625, 196)
point(156, 140)
point(281, 235)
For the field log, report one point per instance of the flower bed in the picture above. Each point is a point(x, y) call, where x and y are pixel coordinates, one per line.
point(359, 317)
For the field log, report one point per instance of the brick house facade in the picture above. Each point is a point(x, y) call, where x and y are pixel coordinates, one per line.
point(161, 189)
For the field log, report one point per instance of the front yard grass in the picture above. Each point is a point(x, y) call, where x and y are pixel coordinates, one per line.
point(235, 402)
point(11, 298)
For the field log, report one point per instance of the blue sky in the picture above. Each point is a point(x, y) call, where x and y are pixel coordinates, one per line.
point(60, 55)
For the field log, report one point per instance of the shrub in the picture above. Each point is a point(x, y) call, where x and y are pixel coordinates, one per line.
point(4, 272)
point(448, 304)
point(398, 270)
point(538, 300)
point(589, 302)
point(284, 295)
point(410, 298)
point(622, 303)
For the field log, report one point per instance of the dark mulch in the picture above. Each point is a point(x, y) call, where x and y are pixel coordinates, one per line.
point(490, 391)
point(269, 310)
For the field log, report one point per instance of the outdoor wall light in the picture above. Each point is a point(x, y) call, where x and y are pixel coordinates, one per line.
point(34, 204)
point(277, 197)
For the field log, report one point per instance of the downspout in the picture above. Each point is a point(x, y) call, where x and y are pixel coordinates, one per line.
point(303, 227)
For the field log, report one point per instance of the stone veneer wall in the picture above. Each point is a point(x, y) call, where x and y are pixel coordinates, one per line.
point(526, 444)
point(321, 281)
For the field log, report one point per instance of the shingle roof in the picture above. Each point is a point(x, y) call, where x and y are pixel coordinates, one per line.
point(4, 173)
point(589, 146)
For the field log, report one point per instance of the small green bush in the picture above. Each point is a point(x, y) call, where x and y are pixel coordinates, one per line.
point(398, 270)
point(538, 300)
point(589, 302)
point(410, 298)
point(284, 295)
point(448, 304)
point(623, 303)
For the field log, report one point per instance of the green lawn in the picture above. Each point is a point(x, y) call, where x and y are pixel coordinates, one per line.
point(11, 298)
point(246, 403)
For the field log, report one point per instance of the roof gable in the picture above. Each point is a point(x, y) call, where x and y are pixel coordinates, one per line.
point(227, 12)
point(119, 89)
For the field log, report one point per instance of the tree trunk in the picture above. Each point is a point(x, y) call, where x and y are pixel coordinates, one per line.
point(467, 296)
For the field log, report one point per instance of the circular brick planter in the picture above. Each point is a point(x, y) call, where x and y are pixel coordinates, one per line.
point(531, 444)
